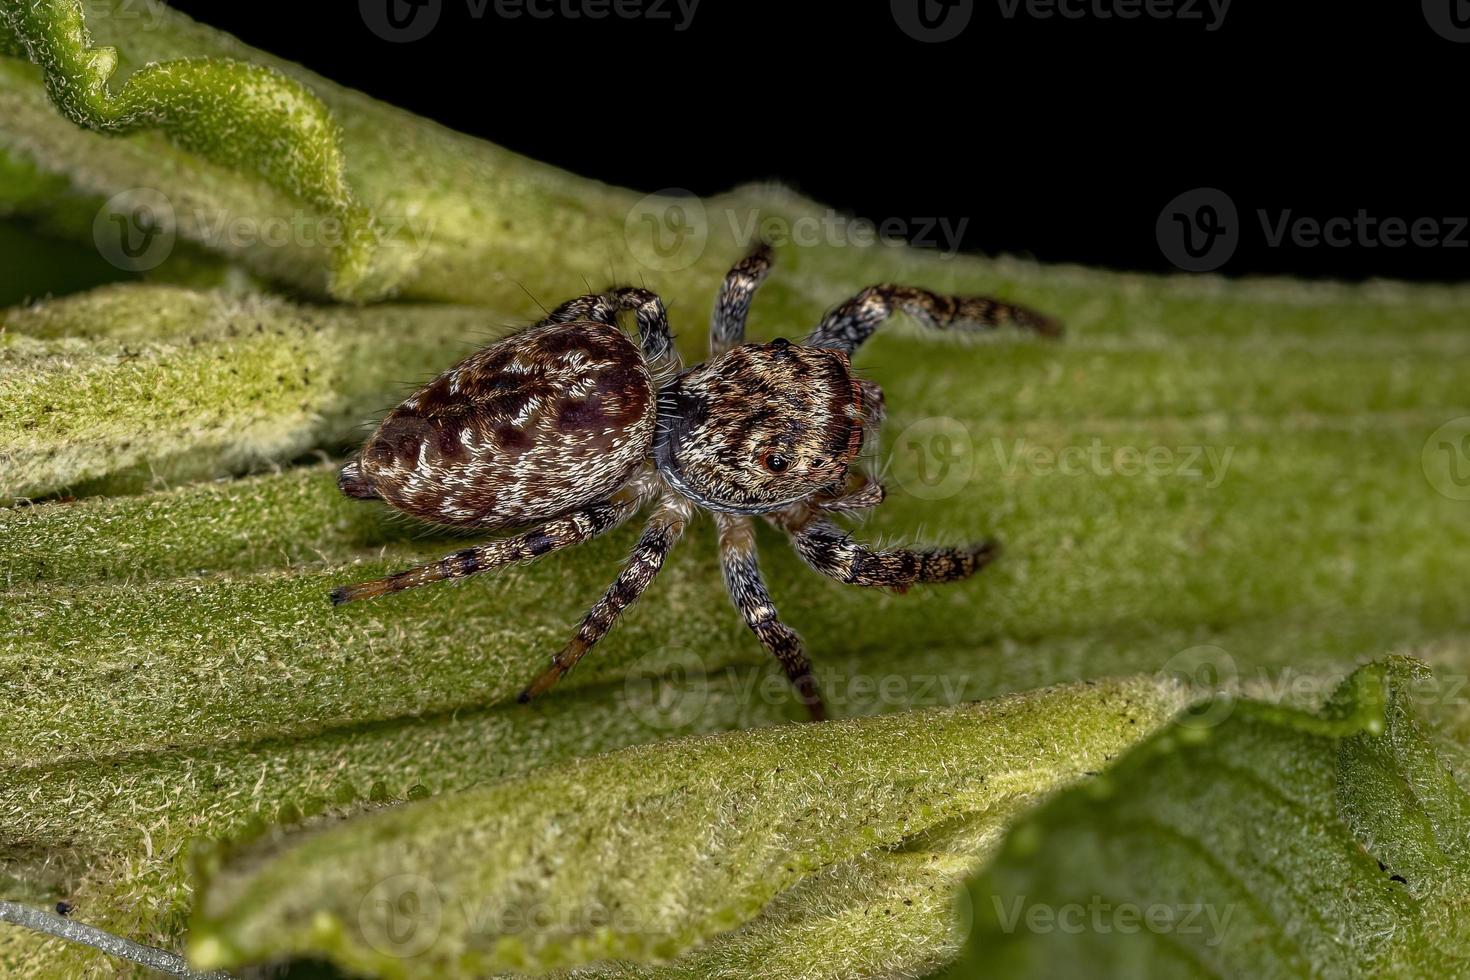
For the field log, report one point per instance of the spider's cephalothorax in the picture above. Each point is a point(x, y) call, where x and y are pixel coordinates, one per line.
point(760, 427)
point(565, 428)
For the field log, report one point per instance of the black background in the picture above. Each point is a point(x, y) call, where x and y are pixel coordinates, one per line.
point(1058, 138)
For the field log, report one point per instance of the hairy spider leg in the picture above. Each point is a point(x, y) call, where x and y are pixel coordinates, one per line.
point(653, 321)
point(831, 551)
point(556, 534)
point(748, 591)
point(659, 536)
point(849, 325)
point(732, 305)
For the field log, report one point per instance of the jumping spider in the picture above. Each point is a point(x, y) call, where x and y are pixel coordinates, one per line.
point(564, 426)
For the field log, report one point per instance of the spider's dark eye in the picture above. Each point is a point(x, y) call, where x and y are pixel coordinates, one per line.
point(775, 462)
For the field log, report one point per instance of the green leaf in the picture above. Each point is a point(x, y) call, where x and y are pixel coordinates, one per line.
point(339, 196)
point(646, 852)
point(228, 112)
point(186, 634)
point(134, 386)
point(1245, 840)
point(172, 673)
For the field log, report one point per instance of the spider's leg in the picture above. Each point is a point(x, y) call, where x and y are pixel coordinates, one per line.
point(727, 323)
point(653, 327)
point(653, 320)
point(561, 532)
point(830, 550)
point(748, 592)
point(846, 327)
point(659, 535)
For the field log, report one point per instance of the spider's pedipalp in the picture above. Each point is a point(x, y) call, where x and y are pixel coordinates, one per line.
point(748, 591)
point(732, 306)
point(562, 532)
point(659, 536)
point(865, 497)
point(830, 550)
point(849, 325)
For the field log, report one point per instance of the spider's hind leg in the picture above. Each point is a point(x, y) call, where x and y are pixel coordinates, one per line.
point(748, 591)
point(556, 534)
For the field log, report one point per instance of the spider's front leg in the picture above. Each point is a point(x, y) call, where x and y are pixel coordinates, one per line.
point(748, 591)
point(830, 550)
point(732, 306)
point(659, 536)
point(849, 325)
point(554, 535)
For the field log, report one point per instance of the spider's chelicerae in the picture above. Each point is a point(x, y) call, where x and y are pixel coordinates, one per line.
point(569, 427)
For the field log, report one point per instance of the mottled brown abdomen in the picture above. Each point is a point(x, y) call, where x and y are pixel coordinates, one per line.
point(540, 423)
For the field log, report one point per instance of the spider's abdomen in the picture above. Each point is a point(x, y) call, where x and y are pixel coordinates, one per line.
point(542, 422)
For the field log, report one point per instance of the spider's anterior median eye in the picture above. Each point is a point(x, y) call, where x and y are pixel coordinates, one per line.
point(775, 462)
